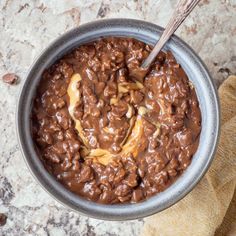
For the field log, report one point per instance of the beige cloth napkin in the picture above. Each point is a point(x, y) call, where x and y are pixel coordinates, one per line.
point(210, 209)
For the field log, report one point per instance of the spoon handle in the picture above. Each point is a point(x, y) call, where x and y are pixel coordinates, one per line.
point(182, 10)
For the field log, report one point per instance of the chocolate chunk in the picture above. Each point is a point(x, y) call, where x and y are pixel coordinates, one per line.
point(3, 219)
point(10, 78)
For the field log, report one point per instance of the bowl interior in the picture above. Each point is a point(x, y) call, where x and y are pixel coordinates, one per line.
point(197, 73)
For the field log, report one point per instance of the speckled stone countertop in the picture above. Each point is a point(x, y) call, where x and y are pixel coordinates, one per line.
point(26, 28)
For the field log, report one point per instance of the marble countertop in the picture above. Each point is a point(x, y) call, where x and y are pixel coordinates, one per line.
point(26, 28)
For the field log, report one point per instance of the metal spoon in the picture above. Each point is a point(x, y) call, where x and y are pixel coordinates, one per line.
point(182, 10)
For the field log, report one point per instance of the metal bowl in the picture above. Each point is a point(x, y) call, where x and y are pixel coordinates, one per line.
point(197, 73)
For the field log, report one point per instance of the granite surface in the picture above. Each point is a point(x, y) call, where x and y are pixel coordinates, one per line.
point(26, 28)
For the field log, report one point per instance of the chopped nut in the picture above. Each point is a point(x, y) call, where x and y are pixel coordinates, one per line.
point(130, 111)
point(142, 111)
point(139, 85)
point(191, 85)
point(157, 124)
point(3, 219)
point(134, 86)
point(122, 89)
point(158, 129)
point(113, 101)
point(156, 133)
point(100, 103)
point(108, 130)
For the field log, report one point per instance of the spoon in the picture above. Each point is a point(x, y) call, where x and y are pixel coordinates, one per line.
point(182, 10)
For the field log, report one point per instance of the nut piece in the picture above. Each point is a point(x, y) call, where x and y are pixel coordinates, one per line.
point(157, 132)
point(191, 85)
point(142, 111)
point(10, 78)
point(139, 85)
point(130, 112)
point(113, 101)
point(3, 219)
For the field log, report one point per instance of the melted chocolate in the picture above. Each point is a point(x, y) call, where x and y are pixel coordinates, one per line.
point(109, 135)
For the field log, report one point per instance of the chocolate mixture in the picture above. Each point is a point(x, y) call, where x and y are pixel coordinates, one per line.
point(106, 133)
